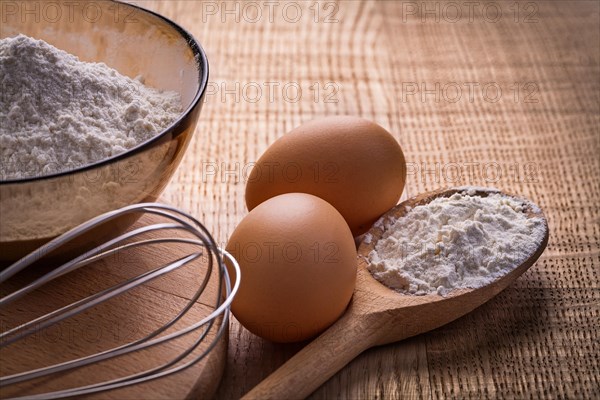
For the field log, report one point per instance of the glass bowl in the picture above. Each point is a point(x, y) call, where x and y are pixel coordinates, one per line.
point(134, 41)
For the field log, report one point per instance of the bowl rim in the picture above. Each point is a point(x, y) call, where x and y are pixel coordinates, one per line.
point(202, 67)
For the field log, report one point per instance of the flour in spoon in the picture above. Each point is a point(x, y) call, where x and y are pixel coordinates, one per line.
point(58, 113)
point(462, 241)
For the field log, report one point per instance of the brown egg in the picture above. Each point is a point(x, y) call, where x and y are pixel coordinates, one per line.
point(350, 162)
point(298, 267)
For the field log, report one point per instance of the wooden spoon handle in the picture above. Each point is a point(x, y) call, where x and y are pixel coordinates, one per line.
point(318, 361)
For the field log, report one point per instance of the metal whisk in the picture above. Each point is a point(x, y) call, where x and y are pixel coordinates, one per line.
point(204, 246)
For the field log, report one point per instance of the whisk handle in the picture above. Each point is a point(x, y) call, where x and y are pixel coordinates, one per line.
point(318, 361)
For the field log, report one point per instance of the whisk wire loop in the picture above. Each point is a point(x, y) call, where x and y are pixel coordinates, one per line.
point(207, 249)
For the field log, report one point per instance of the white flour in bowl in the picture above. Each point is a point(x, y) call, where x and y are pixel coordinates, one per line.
point(462, 241)
point(58, 113)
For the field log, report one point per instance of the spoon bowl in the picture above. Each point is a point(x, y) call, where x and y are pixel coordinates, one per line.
point(379, 315)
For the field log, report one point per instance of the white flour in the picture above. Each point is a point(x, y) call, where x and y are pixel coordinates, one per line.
point(463, 241)
point(58, 113)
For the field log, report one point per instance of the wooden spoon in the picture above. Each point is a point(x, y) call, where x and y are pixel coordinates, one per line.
point(378, 315)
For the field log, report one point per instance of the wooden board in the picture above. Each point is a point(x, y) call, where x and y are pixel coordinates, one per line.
point(539, 339)
point(120, 320)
